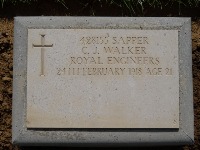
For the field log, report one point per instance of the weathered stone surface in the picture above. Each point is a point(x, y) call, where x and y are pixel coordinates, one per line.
point(41, 73)
point(102, 78)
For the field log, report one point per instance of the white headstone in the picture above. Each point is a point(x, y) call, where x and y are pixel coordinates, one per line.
point(102, 78)
point(102, 81)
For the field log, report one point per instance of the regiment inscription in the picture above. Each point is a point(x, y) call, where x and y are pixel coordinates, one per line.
point(102, 78)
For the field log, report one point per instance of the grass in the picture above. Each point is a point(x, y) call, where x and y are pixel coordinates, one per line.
point(137, 6)
point(14, 2)
point(127, 7)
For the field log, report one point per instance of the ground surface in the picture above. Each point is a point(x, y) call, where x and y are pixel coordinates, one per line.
point(6, 73)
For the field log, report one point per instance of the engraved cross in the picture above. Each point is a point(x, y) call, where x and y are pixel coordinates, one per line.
point(42, 46)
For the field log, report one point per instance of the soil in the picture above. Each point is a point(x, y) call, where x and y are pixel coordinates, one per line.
point(6, 74)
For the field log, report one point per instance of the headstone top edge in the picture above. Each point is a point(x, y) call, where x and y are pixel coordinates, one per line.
point(88, 18)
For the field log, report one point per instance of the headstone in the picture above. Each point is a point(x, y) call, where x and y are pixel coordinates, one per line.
point(87, 80)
